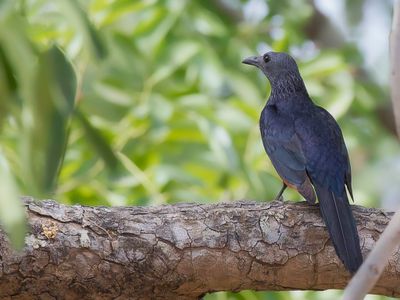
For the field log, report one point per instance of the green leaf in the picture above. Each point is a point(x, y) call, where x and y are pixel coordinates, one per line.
point(246, 89)
point(99, 143)
point(322, 66)
point(114, 11)
point(46, 119)
point(152, 42)
point(220, 142)
point(79, 18)
point(209, 24)
point(342, 98)
point(18, 50)
point(8, 86)
point(12, 212)
point(8, 72)
point(179, 55)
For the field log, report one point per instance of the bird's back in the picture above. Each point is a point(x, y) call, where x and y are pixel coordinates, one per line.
point(324, 148)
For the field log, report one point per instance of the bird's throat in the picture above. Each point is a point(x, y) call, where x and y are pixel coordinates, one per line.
point(286, 85)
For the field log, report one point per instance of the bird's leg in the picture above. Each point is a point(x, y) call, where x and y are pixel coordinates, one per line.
point(279, 196)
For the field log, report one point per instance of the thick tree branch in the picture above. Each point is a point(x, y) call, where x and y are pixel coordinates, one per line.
point(180, 251)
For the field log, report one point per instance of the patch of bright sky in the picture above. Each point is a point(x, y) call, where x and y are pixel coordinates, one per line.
point(373, 38)
point(255, 11)
point(335, 10)
point(371, 35)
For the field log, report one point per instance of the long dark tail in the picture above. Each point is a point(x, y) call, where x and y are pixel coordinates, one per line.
point(339, 219)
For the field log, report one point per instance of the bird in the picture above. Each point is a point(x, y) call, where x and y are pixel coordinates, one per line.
point(306, 147)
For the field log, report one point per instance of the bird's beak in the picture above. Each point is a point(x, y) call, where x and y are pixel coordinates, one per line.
point(253, 60)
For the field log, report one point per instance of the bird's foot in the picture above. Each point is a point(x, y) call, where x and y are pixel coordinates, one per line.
point(279, 197)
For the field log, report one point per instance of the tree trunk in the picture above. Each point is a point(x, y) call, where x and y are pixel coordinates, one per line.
point(180, 251)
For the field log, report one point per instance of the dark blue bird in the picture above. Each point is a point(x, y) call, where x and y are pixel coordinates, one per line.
point(306, 147)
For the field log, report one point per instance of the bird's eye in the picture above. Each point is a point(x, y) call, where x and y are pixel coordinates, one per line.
point(266, 58)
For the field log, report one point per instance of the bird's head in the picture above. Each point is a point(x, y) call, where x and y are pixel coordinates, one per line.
point(274, 65)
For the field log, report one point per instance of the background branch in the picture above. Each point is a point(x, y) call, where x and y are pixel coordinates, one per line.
point(395, 63)
point(183, 251)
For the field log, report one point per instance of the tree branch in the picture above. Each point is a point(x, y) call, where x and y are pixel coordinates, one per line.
point(394, 45)
point(181, 251)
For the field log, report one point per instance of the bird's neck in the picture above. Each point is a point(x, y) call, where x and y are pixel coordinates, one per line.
point(287, 85)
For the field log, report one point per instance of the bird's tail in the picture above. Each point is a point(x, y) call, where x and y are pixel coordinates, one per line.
point(339, 219)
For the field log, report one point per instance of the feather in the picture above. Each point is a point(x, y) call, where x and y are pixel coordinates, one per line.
point(337, 215)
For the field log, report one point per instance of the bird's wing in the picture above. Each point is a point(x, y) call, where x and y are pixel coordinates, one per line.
point(289, 161)
point(287, 158)
point(326, 157)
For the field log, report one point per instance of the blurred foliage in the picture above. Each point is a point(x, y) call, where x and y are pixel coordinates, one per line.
point(147, 102)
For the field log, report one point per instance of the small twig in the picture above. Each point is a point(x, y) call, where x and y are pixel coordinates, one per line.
point(372, 268)
point(93, 223)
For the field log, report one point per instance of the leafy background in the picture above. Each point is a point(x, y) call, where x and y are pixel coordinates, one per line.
point(146, 102)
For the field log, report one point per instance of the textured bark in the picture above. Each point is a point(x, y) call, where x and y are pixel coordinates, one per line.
point(180, 251)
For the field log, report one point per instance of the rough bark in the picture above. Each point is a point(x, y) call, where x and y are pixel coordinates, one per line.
point(180, 251)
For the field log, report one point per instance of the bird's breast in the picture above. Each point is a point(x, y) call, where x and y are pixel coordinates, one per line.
point(276, 128)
